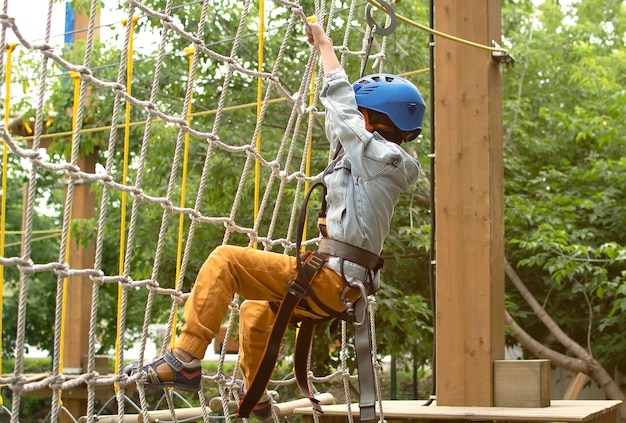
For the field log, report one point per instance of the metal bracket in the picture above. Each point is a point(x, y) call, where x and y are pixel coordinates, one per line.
point(502, 56)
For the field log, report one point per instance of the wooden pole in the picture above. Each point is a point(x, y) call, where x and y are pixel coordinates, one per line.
point(469, 203)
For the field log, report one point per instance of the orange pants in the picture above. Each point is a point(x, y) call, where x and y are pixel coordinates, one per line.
point(258, 276)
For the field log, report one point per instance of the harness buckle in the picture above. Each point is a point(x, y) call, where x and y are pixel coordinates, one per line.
point(346, 301)
point(296, 289)
point(350, 307)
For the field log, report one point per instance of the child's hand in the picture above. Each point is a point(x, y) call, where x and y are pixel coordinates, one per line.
point(316, 35)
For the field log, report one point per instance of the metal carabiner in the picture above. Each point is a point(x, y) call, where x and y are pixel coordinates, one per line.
point(376, 29)
point(350, 310)
point(381, 30)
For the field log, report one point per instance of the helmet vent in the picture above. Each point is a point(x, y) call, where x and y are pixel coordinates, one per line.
point(412, 108)
point(367, 90)
point(381, 78)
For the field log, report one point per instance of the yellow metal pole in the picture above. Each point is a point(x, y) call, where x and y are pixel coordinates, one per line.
point(122, 250)
point(257, 164)
point(5, 162)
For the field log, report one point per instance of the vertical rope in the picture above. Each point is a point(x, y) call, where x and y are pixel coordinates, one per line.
point(129, 85)
point(135, 211)
point(309, 135)
point(80, 95)
point(102, 222)
point(64, 291)
point(28, 218)
point(190, 52)
point(233, 52)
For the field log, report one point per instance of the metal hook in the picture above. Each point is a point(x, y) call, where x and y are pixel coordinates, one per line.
point(375, 29)
point(381, 30)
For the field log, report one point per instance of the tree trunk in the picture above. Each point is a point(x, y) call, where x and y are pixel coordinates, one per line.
point(583, 362)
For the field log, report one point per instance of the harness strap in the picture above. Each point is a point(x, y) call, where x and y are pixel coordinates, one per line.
point(295, 293)
point(301, 354)
point(367, 386)
point(363, 348)
point(351, 253)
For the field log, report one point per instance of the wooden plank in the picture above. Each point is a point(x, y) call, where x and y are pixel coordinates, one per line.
point(469, 203)
point(602, 411)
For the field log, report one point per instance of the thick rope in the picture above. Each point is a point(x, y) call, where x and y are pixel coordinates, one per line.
point(285, 177)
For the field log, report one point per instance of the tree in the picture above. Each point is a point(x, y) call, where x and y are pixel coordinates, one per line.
point(564, 172)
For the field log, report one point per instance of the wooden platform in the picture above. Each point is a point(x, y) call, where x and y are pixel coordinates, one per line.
point(415, 411)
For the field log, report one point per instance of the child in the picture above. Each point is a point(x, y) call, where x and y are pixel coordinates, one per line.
point(365, 123)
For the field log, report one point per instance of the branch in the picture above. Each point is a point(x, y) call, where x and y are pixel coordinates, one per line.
point(587, 363)
point(539, 350)
point(550, 324)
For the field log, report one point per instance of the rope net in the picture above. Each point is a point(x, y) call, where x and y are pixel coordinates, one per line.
point(142, 180)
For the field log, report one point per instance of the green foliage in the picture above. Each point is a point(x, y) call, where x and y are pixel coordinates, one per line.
point(564, 178)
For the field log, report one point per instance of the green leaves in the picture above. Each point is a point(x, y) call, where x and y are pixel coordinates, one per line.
point(564, 178)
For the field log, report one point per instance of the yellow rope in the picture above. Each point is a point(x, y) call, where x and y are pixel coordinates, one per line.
point(5, 162)
point(307, 169)
point(259, 101)
point(122, 250)
point(41, 231)
point(76, 79)
point(189, 51)
point(41, 238)
point(143, 122)
point(438, 33)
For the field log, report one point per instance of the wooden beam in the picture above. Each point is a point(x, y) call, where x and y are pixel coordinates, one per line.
point(469, 203)
point(78, 313)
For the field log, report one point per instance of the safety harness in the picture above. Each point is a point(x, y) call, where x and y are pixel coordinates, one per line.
point(299, 291)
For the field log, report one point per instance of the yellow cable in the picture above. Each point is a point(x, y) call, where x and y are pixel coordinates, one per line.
point(259, 100)
point(41, 238)
point(143, 122)
point(76, 78)
point(189, 51)
point(42, 231)
point(122, 250)
point(438, 33)
point(309, 150)
point(5, 162)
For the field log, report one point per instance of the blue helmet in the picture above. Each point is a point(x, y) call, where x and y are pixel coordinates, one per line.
point(393, 96)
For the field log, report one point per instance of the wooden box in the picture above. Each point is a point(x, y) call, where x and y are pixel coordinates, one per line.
point(101, 364)
point(232, 346)
point(521, 383)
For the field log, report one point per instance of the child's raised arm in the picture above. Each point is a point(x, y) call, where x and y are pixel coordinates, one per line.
point(324, 44)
